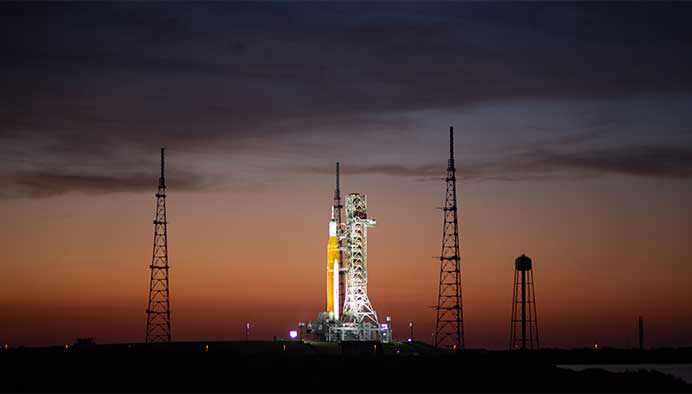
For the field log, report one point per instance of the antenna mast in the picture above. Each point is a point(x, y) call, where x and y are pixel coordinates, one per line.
point(449, 326)
point(159, 309)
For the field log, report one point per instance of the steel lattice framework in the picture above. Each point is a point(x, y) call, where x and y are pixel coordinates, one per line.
point(159, 310)
point(357, 308)
point(524, 332)
point(449, 327)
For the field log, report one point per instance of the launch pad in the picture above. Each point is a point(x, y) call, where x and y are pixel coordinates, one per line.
point(350, 315)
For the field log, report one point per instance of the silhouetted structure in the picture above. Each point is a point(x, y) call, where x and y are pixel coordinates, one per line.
point(84, 342)
point(641, 333)
point(524, 333)
point(449, 327)
point(159, 310)
point(340, 240)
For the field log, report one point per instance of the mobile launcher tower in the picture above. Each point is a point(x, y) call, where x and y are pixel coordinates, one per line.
point(349, 315)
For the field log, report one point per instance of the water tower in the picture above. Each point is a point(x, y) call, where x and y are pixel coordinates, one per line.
point(524, 333)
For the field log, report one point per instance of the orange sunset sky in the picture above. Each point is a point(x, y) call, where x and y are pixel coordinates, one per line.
point(562, 154)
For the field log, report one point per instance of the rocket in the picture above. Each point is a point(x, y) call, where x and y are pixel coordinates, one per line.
point(332, 271)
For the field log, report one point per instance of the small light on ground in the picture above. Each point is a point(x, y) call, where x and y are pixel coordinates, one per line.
point(293, 334)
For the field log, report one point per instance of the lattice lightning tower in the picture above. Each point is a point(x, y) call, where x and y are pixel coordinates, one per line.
point(357, 307)
point(449, 327)
point(159, 310)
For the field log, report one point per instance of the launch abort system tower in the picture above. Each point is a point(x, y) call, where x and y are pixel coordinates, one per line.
point(524, 333)
point(159, 309)
point(449, 327)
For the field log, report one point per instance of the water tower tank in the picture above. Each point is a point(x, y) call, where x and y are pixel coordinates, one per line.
point(523, 263)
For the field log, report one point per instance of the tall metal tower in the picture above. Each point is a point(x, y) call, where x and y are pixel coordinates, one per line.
point(449, 327)
point(340, 239)
point(357, 307)
point(159, 310)
point(641, 333)
point(524, 334)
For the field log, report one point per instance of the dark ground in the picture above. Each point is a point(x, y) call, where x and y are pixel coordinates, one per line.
point(311, 367)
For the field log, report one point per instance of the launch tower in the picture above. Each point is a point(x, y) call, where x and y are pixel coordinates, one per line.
point(449, 327)
point(159, 309)
point(357, 308)
point(354, 319)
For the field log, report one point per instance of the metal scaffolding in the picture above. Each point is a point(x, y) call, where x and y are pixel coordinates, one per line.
point(360, 319)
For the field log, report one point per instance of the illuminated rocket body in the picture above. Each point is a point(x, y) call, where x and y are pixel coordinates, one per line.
point(332, 271)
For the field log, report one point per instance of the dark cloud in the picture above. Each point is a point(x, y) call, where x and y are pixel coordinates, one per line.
point(644, 161)
point(232, 77)
point(199, 71)
point(428, 170)
point(47, 184)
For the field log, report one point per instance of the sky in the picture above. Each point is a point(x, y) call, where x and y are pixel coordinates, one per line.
point(573, 136)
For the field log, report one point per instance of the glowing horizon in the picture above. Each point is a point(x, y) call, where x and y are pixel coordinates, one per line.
point(561, 154)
